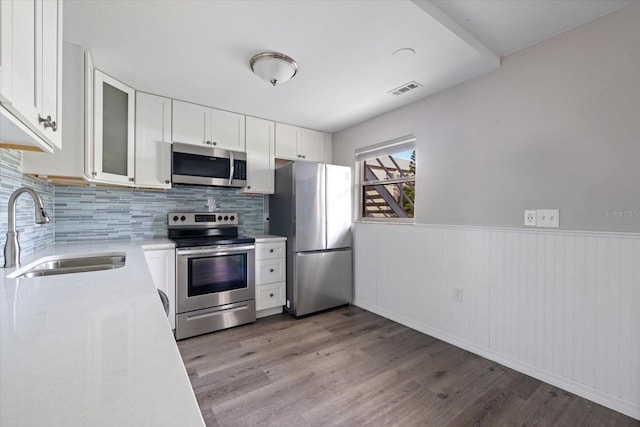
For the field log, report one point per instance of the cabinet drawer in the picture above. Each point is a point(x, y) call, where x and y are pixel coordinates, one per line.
point(270, 296)
point(270, 250)
point(270, 271)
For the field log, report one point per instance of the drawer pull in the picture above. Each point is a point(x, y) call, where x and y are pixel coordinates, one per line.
point(271, 295)
point(271, 270)
point(271, 250)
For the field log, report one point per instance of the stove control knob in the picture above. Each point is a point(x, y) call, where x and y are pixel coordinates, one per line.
point(232, 217)
point(182, 218)
point(219, 217)
point(226, 218)
point(175, 218)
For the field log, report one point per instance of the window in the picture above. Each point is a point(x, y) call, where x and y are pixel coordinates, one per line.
point(387, 180)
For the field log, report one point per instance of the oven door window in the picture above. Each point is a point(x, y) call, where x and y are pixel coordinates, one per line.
point(197, 165)
point(218, 273)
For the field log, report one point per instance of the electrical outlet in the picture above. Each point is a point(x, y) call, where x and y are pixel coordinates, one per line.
point(548, 218)
point(530, 218)
point(457, 294)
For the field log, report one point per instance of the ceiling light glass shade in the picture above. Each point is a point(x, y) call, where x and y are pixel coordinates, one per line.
point(273, 67)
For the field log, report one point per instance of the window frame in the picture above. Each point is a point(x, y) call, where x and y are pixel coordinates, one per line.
point(404, 143)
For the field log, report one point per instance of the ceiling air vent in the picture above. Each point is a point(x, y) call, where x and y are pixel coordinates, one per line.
point(405, 88)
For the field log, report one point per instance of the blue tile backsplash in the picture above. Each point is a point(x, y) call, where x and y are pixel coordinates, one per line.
point(99, 213)
point(90, 213)
point(32, 236)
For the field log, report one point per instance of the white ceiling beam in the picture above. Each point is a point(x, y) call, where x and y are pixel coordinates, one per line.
point(445, 20)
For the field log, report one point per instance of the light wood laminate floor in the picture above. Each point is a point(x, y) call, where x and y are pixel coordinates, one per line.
point(349, 367)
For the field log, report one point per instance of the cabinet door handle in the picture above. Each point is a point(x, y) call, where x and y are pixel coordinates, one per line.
point(167, 181)
point(271, 295)
point(304, 157)
point(215, 143)
point(271, 270)
point(271, 250)
point(208, 142)
point(48, 123)
point(132, 179)
point(248, 187)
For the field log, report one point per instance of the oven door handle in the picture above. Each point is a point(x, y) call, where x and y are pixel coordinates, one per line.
point(222, 250)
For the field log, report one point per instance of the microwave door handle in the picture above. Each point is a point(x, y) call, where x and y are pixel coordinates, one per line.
point(232, 167)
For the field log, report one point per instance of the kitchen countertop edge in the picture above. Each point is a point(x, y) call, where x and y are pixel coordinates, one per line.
point(91, 348)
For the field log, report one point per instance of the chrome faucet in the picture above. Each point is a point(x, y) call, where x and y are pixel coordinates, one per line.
point(12, 246)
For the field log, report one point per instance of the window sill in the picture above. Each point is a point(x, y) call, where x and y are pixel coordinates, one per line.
point(408, 221)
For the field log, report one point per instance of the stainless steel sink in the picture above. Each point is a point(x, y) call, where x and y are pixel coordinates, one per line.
point(66, 264)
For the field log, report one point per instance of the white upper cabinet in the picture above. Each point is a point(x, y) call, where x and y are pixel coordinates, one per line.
point(198, 125)
point(191, 123)
point(260, 143)
point(153, 141)
point(294, 143)
point(287, 141)
point(311, 145)
point(113, 131)
point(6, 50)
point(31, 73)
point(328, 148)
point(227, 130)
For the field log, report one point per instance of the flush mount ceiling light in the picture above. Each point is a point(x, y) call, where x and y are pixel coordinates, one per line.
point(273, 67)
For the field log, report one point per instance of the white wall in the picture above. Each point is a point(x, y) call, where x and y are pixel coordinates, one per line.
point(560, 306)
point(557, 126)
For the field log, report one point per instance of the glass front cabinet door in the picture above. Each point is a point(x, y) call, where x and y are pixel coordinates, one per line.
point(113, 131)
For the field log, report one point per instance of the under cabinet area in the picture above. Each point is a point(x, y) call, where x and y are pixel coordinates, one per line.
point(31, 74)
point(271, 273)
point(199, 125)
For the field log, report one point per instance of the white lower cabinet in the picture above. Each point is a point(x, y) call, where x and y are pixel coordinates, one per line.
point(271, 276)
point(162, 265)
point(270, 296)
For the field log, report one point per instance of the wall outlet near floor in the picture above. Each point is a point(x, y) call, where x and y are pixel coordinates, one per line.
point(548, 218)
point(457, 294)
point(530, 216)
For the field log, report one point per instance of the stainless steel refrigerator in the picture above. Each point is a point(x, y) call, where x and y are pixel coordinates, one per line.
point(311, 206)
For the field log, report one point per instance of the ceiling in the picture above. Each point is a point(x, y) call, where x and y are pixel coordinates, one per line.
point(199, 51)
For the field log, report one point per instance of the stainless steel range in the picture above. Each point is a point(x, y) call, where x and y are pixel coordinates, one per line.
point(215, 276)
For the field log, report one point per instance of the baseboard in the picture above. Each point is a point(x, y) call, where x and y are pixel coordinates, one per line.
point(268, 312)
point(627, 408)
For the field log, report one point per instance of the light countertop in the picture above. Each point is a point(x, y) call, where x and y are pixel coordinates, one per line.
point(91, 349)
point(264, 238)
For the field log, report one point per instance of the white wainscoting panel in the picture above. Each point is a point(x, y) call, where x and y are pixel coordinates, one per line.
point(561, 306)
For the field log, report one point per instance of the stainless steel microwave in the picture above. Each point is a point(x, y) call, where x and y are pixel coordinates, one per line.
point(191, 164)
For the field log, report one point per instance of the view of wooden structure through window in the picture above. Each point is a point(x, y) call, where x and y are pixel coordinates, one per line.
point(388, 185)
